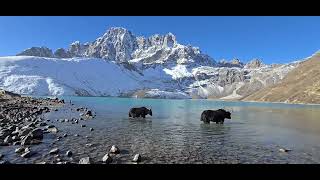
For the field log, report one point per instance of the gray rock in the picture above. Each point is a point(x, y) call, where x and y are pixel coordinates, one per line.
point(76, 135)
point(8, 139)
point(37, 134)
point(69, 153)
point(137, 158)
point(1, 156)
point(83, 125)
point(43, 124)
point(65, 135)
point(27, 154)
point(16, 143)
point(50, 126)
point(5, 162)
point(15, 138)
point(85, 160)
point(284, 150)
point(27, 149)
point(114, 149)
point(107, 158)
point(91, 129)
point(24, 131)
point(19, 150)
point(43, 162)
point(53, 130)
point(54, 151)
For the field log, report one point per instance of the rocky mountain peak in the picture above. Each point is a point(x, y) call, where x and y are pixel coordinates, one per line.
point(255, 63)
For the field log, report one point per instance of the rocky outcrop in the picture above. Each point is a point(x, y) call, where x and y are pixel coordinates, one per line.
point(37, 51)
point(62, 53)
point(255, 63)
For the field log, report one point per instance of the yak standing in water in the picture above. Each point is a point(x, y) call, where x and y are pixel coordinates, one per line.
point(139, 112)
point(217, 116)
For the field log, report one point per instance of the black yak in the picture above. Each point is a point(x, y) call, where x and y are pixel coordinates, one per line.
point(217, 116)
point(139, 112)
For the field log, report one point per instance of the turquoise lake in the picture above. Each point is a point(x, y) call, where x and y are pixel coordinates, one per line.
point(175, 134)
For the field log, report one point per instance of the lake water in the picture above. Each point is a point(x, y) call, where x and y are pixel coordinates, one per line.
point(175, 134)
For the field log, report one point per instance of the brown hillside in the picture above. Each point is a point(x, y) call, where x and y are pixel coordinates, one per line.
point(301, 85)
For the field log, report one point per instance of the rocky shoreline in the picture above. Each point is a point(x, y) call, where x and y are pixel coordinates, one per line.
point(22, 124)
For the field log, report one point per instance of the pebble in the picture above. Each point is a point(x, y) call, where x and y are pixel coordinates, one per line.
point(284, 150)
point(76, 135)
point(91, 129)
point(1, 156)
point(114, 149)
point(27, 154)
point(69, 153)
point(136, 158)
point(107, 158)
point(65, 135)
point(43, 124)
point(19, 150)
point(85, 160)
point(53, 130)
point(83, 125)
point(5, 162)
point(54, 151)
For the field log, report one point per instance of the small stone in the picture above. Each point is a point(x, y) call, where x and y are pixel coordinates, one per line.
point(107, 158)
point(50, 126)
point(114, 149)
point(15, 138)
point(76, 121)
point(37, 134)
point(284, 150)
point(56, 110)
point(48, 120)
point(91, 129)
point(53, 130)
point(27, 154)
point(85, 160)
point(76, 135)
point(5, 162)
point(69, 153)
point(65, 135)
point(54, 151)
point(83, 125)
point(136, 158)
point(89, 145)
point(1, 156)
point(42, 162)
point(66, 120)
point(8, 139)
point(43, 124)
point(58, 159)
point(16, 143)
point(27, 149)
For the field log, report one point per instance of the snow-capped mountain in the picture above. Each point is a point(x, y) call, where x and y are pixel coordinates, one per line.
point(121, 64)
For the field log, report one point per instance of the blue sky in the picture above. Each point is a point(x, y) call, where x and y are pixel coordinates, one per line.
point(273, 39)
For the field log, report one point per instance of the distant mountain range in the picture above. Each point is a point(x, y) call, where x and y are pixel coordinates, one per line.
point(121, 64)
